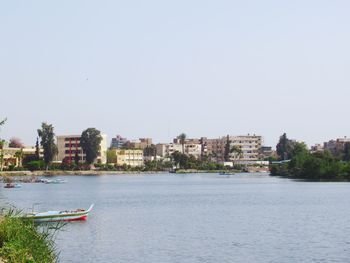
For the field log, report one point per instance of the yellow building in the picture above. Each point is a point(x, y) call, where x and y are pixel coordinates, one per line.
point(14, 156)
point(132, 157)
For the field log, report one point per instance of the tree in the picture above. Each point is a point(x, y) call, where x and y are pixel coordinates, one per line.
point(47, 142)
point(284, 147)
point(150, 150)
point(227, 149)
point(19, 156)
point(15, 143)
point(37, 149)
point(76, 158)
point(3, 122)
point(237, 151)
point(180, 159)
point(90, 143)
point(111, 156)
point(346, 155)
point(1, 146)
point(182, 138)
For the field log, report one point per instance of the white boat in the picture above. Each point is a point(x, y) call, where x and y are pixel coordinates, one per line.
point(55, 181)
point(56, 216)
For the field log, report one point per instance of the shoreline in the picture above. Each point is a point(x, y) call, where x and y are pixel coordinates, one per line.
point(62, 172)
point(98, 172)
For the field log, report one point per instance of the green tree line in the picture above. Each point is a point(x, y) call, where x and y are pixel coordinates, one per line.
point(317, 166)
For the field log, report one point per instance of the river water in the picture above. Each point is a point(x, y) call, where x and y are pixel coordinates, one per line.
point(197, 218)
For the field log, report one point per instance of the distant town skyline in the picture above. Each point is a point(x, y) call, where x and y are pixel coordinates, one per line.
point(156, 69)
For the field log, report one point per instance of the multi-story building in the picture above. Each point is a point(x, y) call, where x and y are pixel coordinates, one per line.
point(336, 146)
point(214, 148)
point(250, 148)
point(317, 148)
point(267, 152)
point(69, 145)
point(166, 150)
point(118, 142)
point(131, 157)
point(142, 143)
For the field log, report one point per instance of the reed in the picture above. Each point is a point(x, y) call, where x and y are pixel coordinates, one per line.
point(23, 241)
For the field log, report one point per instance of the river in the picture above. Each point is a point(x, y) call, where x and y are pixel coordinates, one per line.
point(196, 218)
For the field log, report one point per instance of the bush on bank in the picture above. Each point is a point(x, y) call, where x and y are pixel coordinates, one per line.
point(21, 241)
point(321, 166)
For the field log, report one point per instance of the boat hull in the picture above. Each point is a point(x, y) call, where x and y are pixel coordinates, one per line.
point(71, 218)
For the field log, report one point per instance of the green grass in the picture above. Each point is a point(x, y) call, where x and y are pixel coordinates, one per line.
point(23, 241)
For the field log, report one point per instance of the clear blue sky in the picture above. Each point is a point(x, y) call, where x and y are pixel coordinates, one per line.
point(158, 68)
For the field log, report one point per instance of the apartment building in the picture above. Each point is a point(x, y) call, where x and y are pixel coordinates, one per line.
point(118, 142)
point(142, 143)
point(250, 147)
point(167, 149)
point(69, 145)
point(336, 146)
point(317, 148)
point(214, 148)
point(131, 157)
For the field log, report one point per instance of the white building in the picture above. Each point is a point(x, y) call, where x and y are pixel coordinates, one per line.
point(166, 150)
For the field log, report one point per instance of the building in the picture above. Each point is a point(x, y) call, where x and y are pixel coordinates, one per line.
point(15, 156)
point(167, 149)
point(69, 145)
point(337, 146)
point(317, 148)
point(250, 148)
point(118, 142)
point(214, 148)
point(267, 152)
point(142, 143)
point(131, 157)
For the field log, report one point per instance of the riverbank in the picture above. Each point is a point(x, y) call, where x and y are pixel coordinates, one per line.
point(21, 241)
point(99, 172)
point(63, 172)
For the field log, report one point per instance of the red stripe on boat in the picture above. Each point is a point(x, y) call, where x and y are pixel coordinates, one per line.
point(82, 218)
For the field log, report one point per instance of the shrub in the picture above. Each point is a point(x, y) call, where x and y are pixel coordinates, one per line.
point(20, 241)
point(35, 165)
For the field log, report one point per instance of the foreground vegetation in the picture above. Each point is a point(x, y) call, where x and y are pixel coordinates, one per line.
point(317, 166)
point(21, 241)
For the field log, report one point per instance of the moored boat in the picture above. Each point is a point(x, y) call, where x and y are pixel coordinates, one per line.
point(56, 216)
point(55, 181)
point(226, 173)
point(11, 185)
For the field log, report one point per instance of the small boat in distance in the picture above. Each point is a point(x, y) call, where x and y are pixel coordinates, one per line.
point(55, 181)
point(12, 185)
point(56, 216)
point(226, 173)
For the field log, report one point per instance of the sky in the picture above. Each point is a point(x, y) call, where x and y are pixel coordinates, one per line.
point(158, 68)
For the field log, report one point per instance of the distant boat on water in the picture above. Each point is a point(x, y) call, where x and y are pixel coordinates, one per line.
point(226, 173)
point(57, 216)
point(11, 185)
point(55, 181)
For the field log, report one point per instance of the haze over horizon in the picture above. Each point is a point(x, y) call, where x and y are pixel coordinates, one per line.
point(158, 68)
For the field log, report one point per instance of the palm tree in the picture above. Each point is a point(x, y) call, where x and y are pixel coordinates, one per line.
point(3, 121)
point(1, 147)
point(237, 150)
point(19, 156)
point(182, 138)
